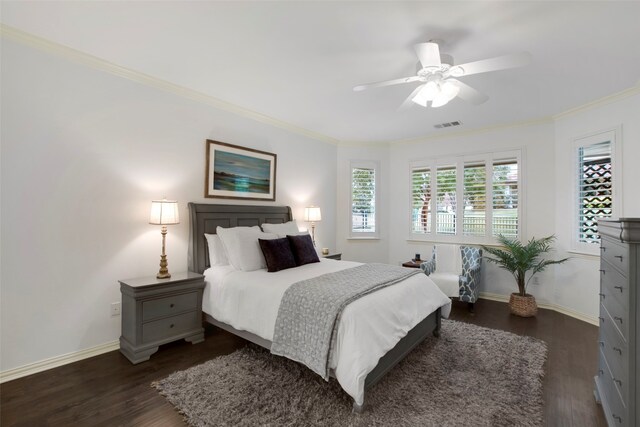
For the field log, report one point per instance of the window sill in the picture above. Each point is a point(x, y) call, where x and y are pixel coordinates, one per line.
point(363, 238)
point(584, 254)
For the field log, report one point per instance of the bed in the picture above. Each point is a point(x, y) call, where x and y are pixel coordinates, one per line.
point(205, 218)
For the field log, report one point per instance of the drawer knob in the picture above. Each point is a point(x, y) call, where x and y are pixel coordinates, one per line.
point(601, 318)
point(171, 326)
point(602, 271)
point(619, 257)
point(618, 350)
point(602, 295)
point(619, 319)
point(601, 343)
point(617, 418)
point(600, 372)
point(618, 287)
point(617, 381)
point(603, 248)
point(171, 305)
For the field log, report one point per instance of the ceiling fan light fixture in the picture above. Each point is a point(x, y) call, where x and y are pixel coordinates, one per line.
point(448, 91)
point(430, 91)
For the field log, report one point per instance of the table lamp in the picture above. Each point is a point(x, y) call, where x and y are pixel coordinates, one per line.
point(164, 212)
point(312, 214)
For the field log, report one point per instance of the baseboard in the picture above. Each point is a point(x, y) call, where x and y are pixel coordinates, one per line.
point(555, 307)
point(54, 362)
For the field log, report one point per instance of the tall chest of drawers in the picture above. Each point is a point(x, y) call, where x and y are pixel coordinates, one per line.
point(618, 376)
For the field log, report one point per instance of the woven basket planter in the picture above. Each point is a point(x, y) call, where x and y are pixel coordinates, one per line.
point(523, 306)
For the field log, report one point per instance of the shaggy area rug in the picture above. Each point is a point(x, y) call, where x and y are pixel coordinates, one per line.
point(469, 376)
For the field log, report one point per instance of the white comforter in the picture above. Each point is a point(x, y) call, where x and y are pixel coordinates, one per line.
point(368, 329)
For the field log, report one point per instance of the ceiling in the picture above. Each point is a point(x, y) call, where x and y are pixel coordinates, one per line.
point(298, 61)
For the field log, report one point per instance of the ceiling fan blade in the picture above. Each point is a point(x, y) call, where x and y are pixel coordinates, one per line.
point(429, 54)
point(492, 64)
point(386, 83)
point(468, 93)
point(408, 103)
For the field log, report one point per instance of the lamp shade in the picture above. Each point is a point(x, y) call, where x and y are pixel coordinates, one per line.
point(164, 212)
point(312, 214)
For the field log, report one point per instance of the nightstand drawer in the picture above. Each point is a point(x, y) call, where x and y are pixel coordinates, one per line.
point(168, 306)
point(166, 328)
point(616, 255)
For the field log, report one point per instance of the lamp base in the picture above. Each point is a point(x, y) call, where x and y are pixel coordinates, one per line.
point(164, 271)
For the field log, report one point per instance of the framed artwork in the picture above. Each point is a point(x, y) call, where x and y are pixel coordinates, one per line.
point(235, 172)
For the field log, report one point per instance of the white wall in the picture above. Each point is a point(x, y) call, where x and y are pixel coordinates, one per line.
point(579, 280)
point(83, 153)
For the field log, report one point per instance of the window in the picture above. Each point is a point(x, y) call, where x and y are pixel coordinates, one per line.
point(363, 200)
point(476, 198)
point(421, 196)
point(446, 200)
point(595, 188)
point(505, 198)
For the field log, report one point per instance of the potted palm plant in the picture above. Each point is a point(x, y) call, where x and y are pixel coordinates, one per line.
point(519, 259)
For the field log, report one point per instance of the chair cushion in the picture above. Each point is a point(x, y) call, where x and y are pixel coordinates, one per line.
point(447, 282)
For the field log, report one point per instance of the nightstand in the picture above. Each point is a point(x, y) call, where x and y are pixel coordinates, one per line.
point(412, 264)
point(158, 311)
point(333, 256)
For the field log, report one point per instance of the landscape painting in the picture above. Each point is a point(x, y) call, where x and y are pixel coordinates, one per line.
point(235, 172)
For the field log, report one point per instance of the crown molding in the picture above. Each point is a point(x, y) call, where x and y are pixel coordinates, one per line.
point(633, 90)
point(148, 80)
point(525, 123)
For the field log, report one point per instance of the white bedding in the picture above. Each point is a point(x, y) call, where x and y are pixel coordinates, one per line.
point(368, 329)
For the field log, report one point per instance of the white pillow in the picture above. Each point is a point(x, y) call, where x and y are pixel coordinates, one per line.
point(217, 254)
point(283, 230)
point(242, 247)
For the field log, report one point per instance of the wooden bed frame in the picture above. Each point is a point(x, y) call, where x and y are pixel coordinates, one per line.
point(204, 218)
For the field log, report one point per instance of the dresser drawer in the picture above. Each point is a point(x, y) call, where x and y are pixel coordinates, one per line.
point(616, 353)
point(617, 306)
point(168, 306)
point(618, 411)
point(616, 255)
point(169, 327)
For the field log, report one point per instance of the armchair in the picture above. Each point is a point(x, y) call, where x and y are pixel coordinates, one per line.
point(457, 273)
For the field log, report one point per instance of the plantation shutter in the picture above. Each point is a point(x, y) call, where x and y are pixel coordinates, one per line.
point(446, 200)
point(505, 197)
point(595, 191)
point(363, 203)
point(421, 200)
point(474, 217)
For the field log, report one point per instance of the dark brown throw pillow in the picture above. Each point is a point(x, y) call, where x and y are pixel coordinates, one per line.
point(303, 249)
point(277, 253)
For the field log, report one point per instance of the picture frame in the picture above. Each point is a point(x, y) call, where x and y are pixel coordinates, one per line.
point(235, 172)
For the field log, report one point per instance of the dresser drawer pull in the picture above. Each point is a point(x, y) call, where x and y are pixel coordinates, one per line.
point(600, 372)
point(619, 257)
point(601, 343)
point(603, 248)
point(617, 418)
point(602, 295)
point(617, 382)
point(601, 319)
point(171, 305)
point(602, 271)
point(619, 319)
point(618, 287)
point(618, 350)
point(171, 326)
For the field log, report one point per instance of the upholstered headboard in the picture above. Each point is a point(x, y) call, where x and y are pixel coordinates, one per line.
point(204, 218)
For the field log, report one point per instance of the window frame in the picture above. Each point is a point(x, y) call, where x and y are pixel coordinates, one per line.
point(459, 161)
point(611, 135)
point(364, 164)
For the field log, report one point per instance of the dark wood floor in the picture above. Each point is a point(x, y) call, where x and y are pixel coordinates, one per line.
point(107, 390)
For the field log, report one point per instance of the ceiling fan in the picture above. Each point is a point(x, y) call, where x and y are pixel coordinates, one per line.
point(437, 74)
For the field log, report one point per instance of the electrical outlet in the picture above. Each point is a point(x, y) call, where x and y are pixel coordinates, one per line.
point(115, 309)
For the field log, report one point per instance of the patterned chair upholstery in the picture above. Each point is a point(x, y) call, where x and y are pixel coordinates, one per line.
point(462, 278)
point(471, 269)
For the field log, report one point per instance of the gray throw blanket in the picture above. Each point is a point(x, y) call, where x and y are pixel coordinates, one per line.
point(310, 310)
